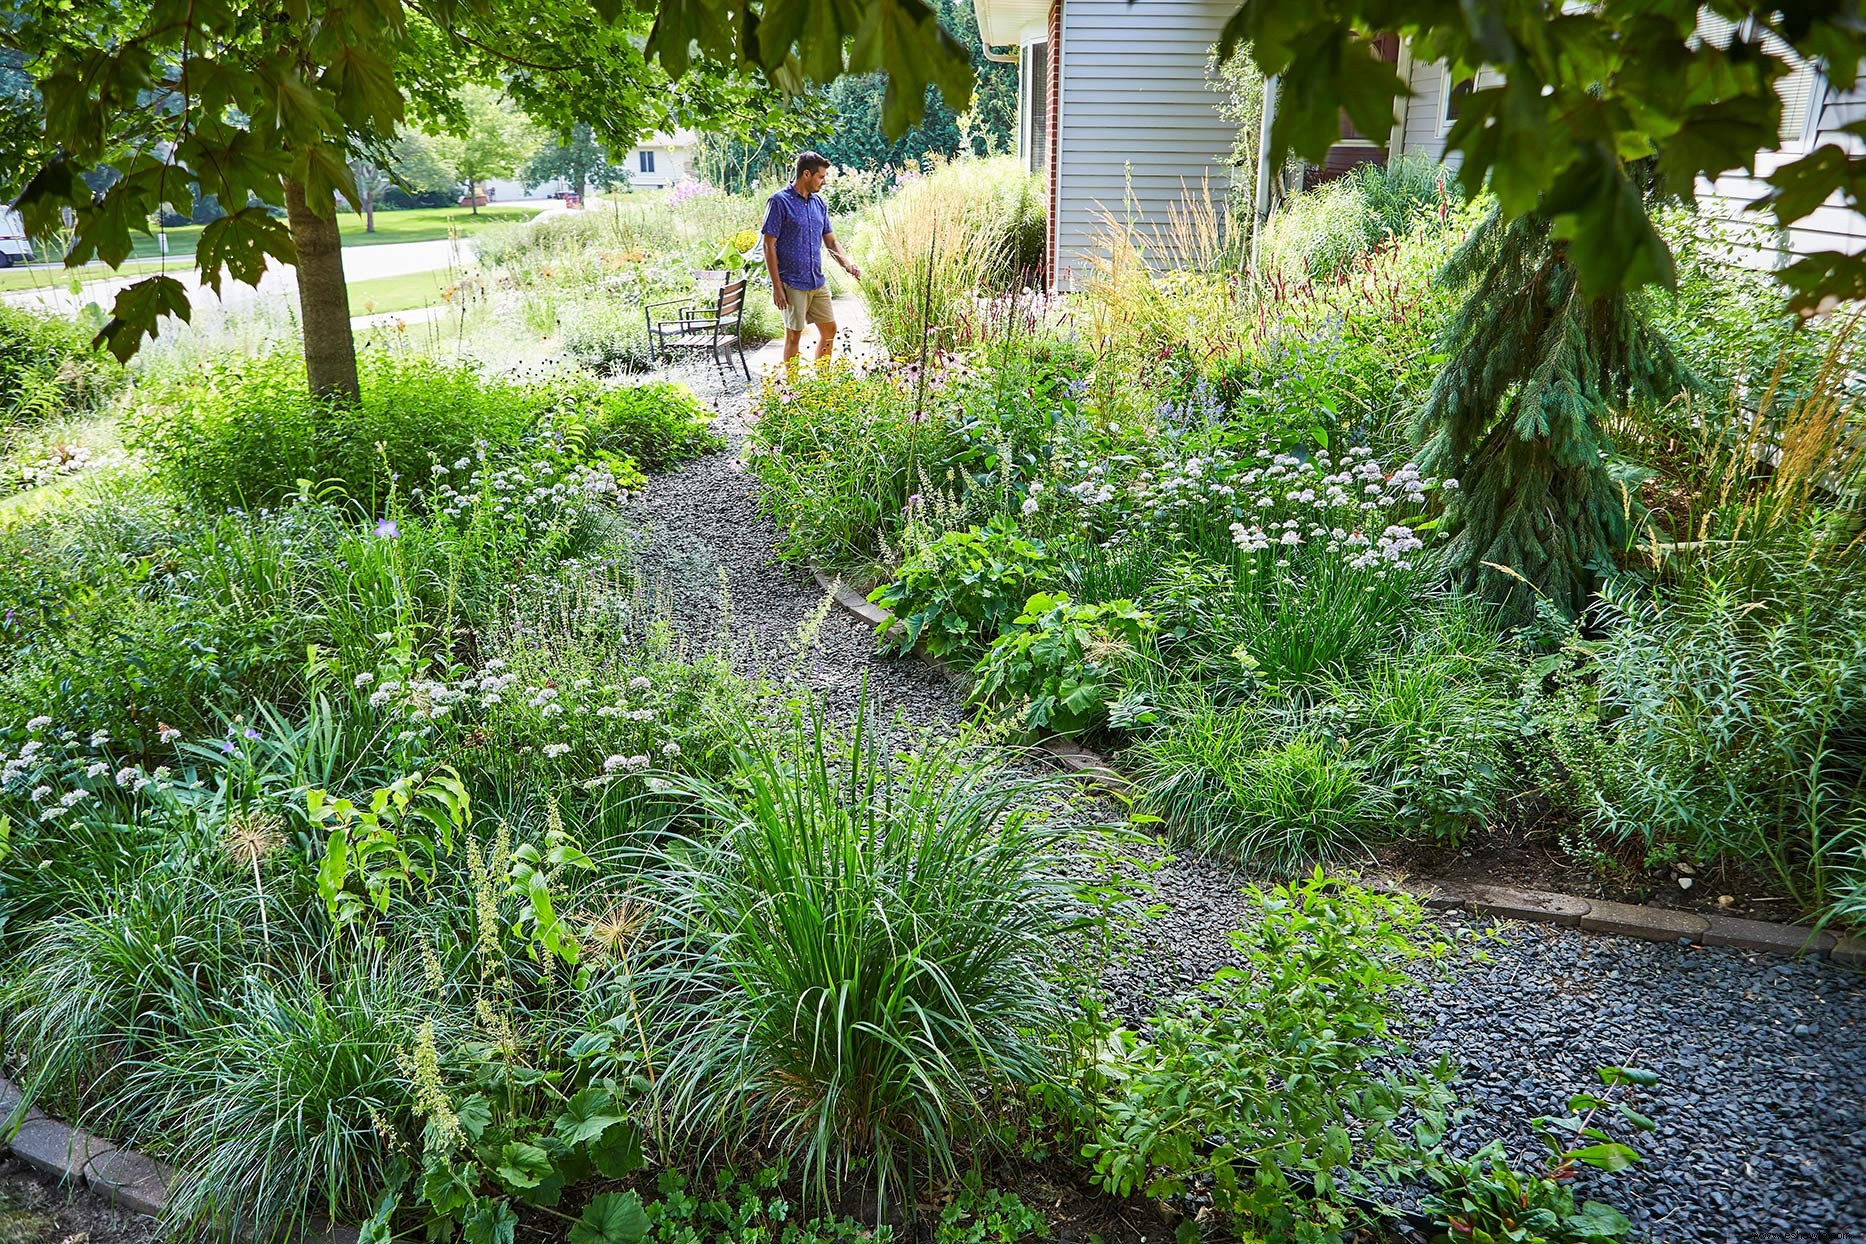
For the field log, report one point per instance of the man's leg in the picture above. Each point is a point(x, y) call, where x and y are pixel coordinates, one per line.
point(826, 339)
point(793, 343)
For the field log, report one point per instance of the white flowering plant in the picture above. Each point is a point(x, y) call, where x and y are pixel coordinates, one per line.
point(1276, 565)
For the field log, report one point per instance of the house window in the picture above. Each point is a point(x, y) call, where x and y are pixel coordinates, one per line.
point(1036, 107)
point(1451, 101)
point(647, 161)
point(1801, 88)
point(1454, 100)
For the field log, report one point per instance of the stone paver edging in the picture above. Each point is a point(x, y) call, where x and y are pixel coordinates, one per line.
point(72, 1155)
point(1656, 924)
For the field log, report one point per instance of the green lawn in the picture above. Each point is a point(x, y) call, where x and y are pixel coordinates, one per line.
point(399, 293)
point(419, 225)
point(422, 224)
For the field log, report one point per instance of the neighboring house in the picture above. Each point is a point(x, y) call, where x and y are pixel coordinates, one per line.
point(1114, 110)
point(656, 162)
point(1117, 114)
point(660, 160)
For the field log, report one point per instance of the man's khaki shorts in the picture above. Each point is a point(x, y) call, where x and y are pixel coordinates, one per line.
point(803, 307)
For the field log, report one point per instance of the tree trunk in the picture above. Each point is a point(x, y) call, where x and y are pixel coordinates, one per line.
point(323, 300)
point(473, 195)
point(369, 213)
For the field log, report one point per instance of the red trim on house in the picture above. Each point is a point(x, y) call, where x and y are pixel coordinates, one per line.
point(1052, 129)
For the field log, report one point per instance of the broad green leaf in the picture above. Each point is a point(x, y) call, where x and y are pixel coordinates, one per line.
point(617, 1152)
point(1597, 1220)
point(587, 1116)
point(612, 1218)
point(138, 311)
point(1800, 186)
point(1609, 1157)
point(445, 1187)
point(492, 1222)
point(239, 245)
point(522, 1165)
point(475, 1115)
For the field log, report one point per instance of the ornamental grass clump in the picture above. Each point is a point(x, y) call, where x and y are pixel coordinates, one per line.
point(858, 956)
point(1255, 786)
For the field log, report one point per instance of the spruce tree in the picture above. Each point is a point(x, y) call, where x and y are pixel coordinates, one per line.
point(1515, 416)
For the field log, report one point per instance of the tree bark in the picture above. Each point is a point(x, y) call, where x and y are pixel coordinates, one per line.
point(473, 195)
point(369, 213)
point(323, 300)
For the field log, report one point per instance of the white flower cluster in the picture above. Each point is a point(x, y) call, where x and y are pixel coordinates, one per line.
point(64, 775)
point(421, 703)
point(537, 493)
point(1329, 503)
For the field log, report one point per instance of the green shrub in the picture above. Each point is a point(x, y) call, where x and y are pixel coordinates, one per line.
point(840, 454)
point(1267, 1089)
point(608, 336)
point(860, 956)
point(1435, 726)
point(1323, 233)
point(1484, 1199)
point(281, 1094)
point(247, 432)
point(1249, 786)
point(1714, 721)
point(126, 612)
point(1060, 670)
point(970, 227)
point(656, 425)
point(962, 590)
point(47, 370)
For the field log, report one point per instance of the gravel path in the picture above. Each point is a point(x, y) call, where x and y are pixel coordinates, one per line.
point(1762, 1101)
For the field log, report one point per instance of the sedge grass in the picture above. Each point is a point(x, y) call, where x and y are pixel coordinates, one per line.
point(860, 956)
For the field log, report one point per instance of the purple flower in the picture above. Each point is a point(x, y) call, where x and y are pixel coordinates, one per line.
point(251, 733)
point(386, 529)
point(226, 746)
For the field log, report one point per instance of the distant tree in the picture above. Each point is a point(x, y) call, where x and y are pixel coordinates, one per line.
point(577, 159)
point(859, 139)
point(22, 129)
point(737, 157)
point(491, 140)
point(993, 125)
point(414, 167)
point(371, 181)
point(264, 106)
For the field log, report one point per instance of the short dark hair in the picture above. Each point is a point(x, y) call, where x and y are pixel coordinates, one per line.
point(809, 162)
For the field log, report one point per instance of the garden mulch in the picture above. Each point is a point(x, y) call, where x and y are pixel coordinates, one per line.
point(36, 1209)
point(1761, 1104)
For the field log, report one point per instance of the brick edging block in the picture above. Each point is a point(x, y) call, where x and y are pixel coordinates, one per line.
point(1656, 924)
point(137, 1183)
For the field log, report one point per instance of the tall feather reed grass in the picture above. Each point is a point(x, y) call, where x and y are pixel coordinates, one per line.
point(969, 228)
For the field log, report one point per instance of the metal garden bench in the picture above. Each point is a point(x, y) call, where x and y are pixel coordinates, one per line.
point(690, 323)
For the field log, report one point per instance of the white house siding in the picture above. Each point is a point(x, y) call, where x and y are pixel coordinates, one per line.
point(1138, 122)
point(670, 164)
point(1831, 227)
point(1421, 133)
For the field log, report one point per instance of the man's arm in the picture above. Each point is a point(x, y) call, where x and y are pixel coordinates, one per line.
point(835, 248)
point(777, 283)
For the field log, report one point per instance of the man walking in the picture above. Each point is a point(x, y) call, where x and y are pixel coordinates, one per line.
point(796, 231)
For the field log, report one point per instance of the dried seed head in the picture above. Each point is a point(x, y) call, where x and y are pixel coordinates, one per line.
point(252, 836)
